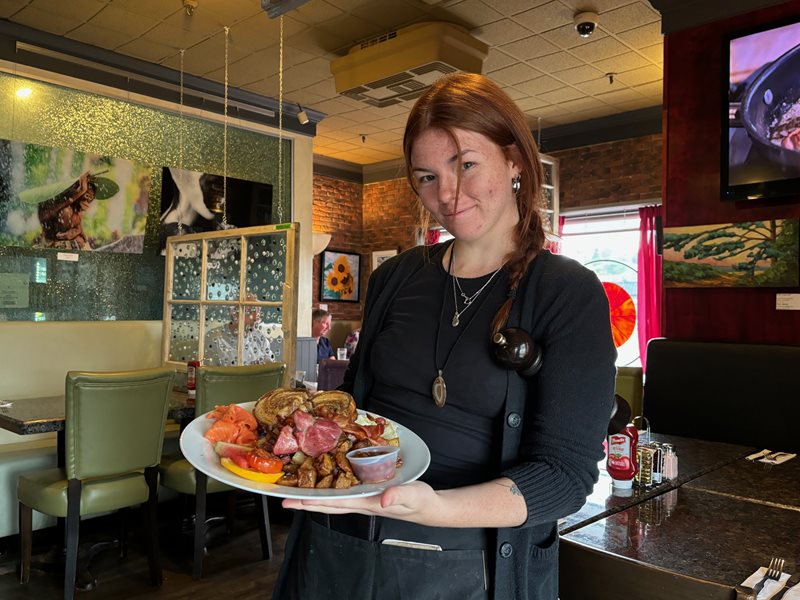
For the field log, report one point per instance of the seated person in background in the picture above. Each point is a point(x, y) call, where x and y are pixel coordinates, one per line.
point(320, 325)
point(352, 341)
point(221, 343)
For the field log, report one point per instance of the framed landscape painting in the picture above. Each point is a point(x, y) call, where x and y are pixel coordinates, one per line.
point(749, 254)
point(339, 276)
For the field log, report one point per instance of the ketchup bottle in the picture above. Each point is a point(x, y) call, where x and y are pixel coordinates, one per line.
point(621, 463)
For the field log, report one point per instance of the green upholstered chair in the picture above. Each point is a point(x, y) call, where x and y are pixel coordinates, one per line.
point(217, 386)
point(629, 386)
point(114, 431)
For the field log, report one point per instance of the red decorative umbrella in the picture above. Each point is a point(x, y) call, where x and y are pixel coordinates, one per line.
point(622, 311)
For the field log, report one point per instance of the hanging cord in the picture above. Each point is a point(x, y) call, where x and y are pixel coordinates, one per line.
point(180, 143)
point(280, 126)
point(225, 141)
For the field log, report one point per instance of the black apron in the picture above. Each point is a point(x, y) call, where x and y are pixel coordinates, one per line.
point(344, 556)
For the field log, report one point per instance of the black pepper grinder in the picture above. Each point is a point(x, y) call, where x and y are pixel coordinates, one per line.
point(515, 349)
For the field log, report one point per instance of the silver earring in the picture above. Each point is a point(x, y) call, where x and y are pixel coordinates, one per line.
point(516, 184)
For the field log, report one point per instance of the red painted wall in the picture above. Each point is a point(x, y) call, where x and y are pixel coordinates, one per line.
point(692, 127)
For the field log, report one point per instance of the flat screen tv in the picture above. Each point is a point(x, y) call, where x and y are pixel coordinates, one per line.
point(761, 120)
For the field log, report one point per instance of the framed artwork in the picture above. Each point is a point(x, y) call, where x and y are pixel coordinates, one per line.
point(197, 200)
point(339, 276)
point(749, 254)
point(71, 200)
point(381, 255)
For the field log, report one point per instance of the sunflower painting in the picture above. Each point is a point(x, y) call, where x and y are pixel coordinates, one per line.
point(339, 276)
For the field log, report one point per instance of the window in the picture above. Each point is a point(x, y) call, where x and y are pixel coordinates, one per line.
point(608, 244)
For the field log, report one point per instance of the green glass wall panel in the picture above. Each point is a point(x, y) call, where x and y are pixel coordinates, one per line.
point(104, 285)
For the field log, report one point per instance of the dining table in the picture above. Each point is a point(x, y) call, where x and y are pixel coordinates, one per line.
point(46, 414)
point(697, 536)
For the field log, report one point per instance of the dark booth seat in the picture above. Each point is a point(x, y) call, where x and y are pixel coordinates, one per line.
point(331, 373)
point(736, 393)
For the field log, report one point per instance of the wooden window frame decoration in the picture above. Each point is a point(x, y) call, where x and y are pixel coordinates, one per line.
point(351, 263)
point(286, 302)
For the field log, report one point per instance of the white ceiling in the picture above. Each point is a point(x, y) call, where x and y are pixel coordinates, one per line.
point(555, 76)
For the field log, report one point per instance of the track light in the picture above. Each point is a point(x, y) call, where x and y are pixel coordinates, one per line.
point(302, 116)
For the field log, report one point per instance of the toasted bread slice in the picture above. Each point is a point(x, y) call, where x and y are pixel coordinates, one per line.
point(332, 403)
point(279, 404)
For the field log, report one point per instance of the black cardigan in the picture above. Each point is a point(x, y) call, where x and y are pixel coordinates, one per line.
point(554, 425)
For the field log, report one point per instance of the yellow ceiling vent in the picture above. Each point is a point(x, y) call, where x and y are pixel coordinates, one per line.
point(402, 64)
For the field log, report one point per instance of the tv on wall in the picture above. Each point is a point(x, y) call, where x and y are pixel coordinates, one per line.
point(761, 120)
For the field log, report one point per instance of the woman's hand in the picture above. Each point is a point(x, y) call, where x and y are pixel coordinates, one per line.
point(416, 501)
point(496, 503)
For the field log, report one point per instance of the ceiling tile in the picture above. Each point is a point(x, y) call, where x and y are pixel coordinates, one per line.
point(620, 95)
point(9, 7)
point(597, 86)
point(628, 17)
point(76, 9)
point(654, 53)
point(648, 74)
point(117, 19)
point(514, 74)
point(47, 21)
point(150, 51)
point(514, 7)
point(529, 47)
point(539, 85)
point(578, 74)
point(600, 49)
point(560, 95)
point(496, 60)
point(640, 37)
point(102, 37)
point(154, 9)
point(530, 103)
point(623, 62)
point(231, 11)
point(254, 67)
point(651, 90)
point(388, 15)
point(501, 32)
point(351, 30)
point(514, 93)
point(260, 31)
point(545, 17)
point(583, 105)
point(311, 40)
point(474, 13)
point(557, 61)
point(316, 12)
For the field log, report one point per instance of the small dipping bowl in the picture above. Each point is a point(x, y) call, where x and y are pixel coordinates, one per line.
point(375, 463)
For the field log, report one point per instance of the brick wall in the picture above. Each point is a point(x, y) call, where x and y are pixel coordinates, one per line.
point(338, 211)
point(621, 172)
point(385, 215)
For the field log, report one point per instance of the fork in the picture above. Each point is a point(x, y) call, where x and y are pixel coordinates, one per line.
point(774, 572)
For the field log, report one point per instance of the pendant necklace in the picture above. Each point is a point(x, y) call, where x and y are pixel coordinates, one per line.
point(468, 300)
point(439, 388)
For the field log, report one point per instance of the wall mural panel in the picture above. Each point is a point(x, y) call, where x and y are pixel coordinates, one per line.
point(75, 284)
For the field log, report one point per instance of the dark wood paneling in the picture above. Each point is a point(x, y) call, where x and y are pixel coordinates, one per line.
point(693, 97)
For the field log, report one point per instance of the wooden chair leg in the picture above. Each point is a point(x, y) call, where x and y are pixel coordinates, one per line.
point(150, 513)
point(262, 514)
point(25, 542)
point(73, 530)
point(199, 523)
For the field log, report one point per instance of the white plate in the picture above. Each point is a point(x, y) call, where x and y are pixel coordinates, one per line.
point(199, 452)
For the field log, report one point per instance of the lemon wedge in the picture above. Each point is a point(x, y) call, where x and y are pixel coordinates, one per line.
point(249, 473)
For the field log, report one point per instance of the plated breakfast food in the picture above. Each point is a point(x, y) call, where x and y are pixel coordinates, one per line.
point(293, 439)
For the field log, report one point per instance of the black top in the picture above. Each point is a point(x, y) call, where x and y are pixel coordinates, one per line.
point(405, 366)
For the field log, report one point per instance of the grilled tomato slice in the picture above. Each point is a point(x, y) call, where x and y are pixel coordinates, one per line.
point(250, 473)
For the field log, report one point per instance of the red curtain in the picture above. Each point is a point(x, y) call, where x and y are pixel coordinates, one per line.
point(649, 279)
point(555, 246)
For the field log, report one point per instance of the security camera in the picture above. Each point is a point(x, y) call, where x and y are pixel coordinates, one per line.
point(585, 23)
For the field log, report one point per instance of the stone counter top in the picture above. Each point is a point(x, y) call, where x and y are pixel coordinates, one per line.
point(695, 458)
point(773, 485)
point(694, 534)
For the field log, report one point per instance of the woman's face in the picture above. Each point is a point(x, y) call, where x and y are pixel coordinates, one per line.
point(486, 204)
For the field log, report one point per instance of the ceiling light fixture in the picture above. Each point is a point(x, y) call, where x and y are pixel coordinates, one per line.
point(302, 116)
point(189, 6)
point(24, 92)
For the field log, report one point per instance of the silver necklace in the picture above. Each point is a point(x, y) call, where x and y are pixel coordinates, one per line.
point(468, 300)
